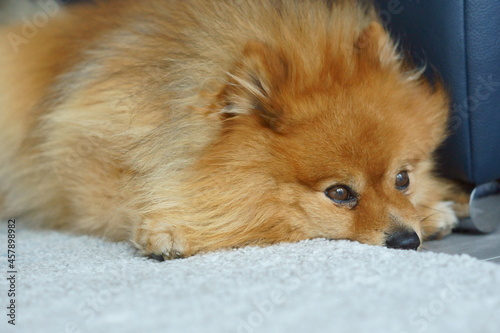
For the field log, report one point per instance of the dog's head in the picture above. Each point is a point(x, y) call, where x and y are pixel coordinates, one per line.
point(334, 144)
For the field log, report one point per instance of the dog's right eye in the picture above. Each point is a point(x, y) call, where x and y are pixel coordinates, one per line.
point(341, 194)
point(402, 181)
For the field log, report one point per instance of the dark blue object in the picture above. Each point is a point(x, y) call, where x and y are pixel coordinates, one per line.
point(461, 39)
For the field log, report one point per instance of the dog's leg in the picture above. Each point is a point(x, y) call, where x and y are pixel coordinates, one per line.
point(157, 238)
point(442, 209)
point(438, 219)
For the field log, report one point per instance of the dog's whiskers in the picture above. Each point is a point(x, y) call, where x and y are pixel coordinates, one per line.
point(428, 216)
point(431, 208)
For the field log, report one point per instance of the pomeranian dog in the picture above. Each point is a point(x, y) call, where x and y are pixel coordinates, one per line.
point(188, 126)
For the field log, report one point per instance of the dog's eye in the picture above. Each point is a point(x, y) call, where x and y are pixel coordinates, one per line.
point(341, 194)
point(402, 180)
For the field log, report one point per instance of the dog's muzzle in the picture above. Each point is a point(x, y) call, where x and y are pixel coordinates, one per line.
point(403, 239)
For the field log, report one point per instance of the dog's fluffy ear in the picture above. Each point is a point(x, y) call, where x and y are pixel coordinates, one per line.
point(254, 83)
point(438, 112)
point(374, 41)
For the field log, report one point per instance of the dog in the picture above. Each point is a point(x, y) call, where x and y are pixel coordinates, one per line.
point(197, 125)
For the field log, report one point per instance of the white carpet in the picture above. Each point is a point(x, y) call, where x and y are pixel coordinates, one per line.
point(82, 284)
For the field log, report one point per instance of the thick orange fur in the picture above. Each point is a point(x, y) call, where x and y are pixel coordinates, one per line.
point(193, 125)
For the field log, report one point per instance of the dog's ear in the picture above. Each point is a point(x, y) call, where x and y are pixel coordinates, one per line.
point(374, 41)
point(253, 85)
point(438, 112)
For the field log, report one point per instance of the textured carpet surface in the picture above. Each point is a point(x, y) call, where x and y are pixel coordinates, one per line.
point(71, 283)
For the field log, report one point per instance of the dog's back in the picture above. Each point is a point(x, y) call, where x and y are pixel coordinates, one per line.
point(190, 125)
point(177, 47)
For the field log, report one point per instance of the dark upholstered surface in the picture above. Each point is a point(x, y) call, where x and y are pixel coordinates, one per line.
point(461, 39)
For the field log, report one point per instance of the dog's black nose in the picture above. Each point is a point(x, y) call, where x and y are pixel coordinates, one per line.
point(403, 239)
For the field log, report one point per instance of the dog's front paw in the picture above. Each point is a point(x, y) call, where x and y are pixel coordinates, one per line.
point(159, 240)
point(438, 220)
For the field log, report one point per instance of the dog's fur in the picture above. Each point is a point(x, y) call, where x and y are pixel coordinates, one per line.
point(193, 125)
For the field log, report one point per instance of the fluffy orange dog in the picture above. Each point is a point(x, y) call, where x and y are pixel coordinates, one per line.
point(193, 125)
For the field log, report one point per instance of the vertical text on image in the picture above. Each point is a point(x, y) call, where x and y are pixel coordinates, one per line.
point(11, 272)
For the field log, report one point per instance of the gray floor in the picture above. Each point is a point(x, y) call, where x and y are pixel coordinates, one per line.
point(484, 247)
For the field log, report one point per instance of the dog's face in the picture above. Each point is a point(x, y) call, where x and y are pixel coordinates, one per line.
point(348, 156)
point(354, 168)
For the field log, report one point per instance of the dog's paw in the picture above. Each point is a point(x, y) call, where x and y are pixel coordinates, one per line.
point(460, 202)
point(438, 220)
point(166, 256)
point(159, 240)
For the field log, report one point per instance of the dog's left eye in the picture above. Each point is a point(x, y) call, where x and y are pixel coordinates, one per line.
point(342, 195)
point(402, 180)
